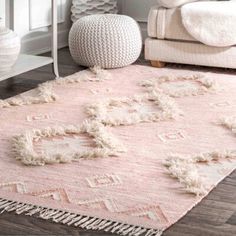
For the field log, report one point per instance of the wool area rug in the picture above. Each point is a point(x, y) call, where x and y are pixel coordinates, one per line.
point(128, 151)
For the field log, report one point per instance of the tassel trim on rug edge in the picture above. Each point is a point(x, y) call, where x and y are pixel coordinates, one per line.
point(76, 220)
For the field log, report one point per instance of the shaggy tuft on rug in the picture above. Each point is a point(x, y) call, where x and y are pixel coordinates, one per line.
point(128, 151)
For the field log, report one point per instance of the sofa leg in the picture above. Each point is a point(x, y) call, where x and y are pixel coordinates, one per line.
point(158, 64)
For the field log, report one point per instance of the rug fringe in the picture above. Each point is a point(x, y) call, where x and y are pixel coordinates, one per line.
point(76, 220)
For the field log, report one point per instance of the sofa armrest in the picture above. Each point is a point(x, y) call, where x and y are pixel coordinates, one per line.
point(173, 3)
point(152, 24)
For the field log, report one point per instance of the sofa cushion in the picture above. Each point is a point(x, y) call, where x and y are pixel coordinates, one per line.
point(173, 3)
point(167, 24)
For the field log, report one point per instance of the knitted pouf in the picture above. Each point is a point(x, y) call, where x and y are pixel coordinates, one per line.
point(106, 40)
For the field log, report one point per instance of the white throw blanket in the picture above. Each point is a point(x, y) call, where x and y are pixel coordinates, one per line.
point(212, 23)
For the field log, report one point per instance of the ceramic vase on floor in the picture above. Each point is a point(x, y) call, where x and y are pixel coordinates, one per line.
point(9, 48)
point(88, 7)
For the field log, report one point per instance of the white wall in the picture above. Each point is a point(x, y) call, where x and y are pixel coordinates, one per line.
point(31, 20)
point(138, 9)
point(2, 9)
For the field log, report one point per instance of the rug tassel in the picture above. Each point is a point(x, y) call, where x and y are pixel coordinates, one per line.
point(84, 222)
point(108, 229)
point(69, 218)
point(94, 224)
point(74, 220)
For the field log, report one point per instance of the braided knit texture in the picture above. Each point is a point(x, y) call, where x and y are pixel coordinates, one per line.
point(108, 40)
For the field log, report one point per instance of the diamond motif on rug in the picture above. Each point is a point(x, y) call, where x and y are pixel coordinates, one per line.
point(150, 212)
point(181, 86)
point(172, 136)
point(62, 146)
point(221, 104)
point(103, 204)
point(38, 117)
point(66, 144)
point(18, 187)
point(150, 107)
point(55, 194)
point(176, 88)
point(186, 169)
point(103, 180)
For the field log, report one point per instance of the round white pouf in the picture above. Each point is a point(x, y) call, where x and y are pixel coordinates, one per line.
point(106, 40)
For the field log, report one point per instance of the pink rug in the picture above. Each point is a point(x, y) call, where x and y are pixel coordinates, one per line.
point(154, 143)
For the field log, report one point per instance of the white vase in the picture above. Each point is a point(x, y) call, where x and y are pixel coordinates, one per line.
point(9, 48)
point(82, 8)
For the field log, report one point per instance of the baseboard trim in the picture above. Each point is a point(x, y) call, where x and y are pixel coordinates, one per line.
point(39, 44)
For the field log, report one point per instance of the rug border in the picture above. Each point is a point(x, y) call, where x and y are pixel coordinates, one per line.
point(73, 218)
point(114, 227)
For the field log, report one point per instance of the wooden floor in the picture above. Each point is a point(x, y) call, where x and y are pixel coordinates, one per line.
point(215, 215)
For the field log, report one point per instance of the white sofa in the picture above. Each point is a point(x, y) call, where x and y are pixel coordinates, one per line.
point(169, 41)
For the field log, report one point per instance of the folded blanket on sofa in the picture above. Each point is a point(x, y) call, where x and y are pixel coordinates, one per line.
point(211, 22)
point(173, 3)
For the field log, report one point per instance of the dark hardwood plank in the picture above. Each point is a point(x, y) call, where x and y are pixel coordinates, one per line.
point(214, 216)
point(29, 80)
